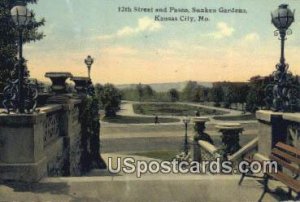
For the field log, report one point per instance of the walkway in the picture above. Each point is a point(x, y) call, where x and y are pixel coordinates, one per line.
point(128, 188)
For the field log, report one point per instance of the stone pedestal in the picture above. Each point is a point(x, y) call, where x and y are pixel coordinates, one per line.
point(272, 129)
point(199, 135)
point(230, 137)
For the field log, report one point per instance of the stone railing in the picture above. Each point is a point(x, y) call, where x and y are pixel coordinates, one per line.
point(204, 150)
point(53, 123)
point(277, 127)
point(46, 142)
point(37, 145)
point(249, 149)
point(293, 129)
point(208, 152)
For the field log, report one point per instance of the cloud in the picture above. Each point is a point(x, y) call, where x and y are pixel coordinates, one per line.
point(119, 50)
point(223, 30)
point(251, 37)
point(249, 42)
point(145, 24)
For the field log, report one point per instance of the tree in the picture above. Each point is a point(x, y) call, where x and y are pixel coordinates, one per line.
point(9, 36)
point(257, 93)
point(98, 92)
point(242, 93)
point(230, 94)
point(148, 91)
point(251, 101)
point(188, 93)
point(174, 95)
point(140, 91)
point(217, 94)
point(110, 99)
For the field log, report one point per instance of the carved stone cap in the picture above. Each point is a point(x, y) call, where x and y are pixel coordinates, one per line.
point(267, 115)
point(200, 119)
point(229, 126)
point(80, 78)
point(295, 117)
point(58, 74)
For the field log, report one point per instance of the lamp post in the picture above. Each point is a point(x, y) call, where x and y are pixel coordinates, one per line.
point(19, 93)
point(282, 18)
point(186, 121)
point(89, 61)
point(282, 94)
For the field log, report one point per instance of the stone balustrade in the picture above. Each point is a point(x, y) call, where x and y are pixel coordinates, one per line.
point(208, 151)
point(46, 142)
point(249, 149)
point(275, 127)
point(293, 129)
point(39, 144)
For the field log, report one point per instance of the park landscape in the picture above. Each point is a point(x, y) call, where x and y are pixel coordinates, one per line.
point(65, 121)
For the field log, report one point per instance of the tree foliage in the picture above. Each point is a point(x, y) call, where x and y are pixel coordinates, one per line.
point(216, 94)
point(9, 37)
point(256, 96)
point(110, 98)
point(90, 131)
point(174, 95)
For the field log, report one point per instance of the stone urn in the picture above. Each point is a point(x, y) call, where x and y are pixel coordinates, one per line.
point(81, 84)
point(230, 137)
point(58, 80)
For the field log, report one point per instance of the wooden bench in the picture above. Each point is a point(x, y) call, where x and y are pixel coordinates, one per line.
point(287, 157)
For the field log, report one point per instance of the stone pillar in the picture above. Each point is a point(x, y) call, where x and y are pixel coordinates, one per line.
point(199, 135)
point(230, 137)
point(70, 120)
point(22, 155)
point(272, 129)
point(73, 137)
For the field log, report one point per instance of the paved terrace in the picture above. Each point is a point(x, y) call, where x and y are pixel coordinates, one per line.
point(103, 186)
point(129, 188)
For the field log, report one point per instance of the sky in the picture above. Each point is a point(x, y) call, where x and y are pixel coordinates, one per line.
point(133, 47)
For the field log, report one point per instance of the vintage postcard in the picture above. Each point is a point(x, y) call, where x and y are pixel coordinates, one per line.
point(147, 100)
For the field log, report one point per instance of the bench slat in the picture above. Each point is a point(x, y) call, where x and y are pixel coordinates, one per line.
point(287, 180)
point(285, 156)
point(285, 164)
point(288, 148)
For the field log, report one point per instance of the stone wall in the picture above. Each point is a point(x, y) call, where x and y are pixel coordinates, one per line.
point(46, 143)
point(275, 127)
point(293, 129)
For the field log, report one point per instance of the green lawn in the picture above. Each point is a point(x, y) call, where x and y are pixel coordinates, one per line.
point(173, 109)
point(163, 155)
point(137, 120)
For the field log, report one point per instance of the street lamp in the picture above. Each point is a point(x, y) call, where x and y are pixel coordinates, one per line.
point(186, 121)
point(18, 91)
point(282, 18)
point(282, 94)
point(89, 61)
